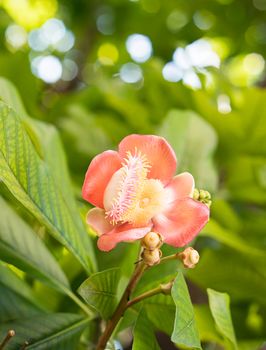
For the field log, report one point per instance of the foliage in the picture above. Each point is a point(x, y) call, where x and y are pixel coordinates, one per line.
point(50, 132)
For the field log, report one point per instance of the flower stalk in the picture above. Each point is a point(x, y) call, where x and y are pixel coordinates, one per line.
point(162, 288)
point(10, 334)
point(122, 306)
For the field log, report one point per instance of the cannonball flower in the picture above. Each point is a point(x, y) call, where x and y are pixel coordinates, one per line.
point(135, 191)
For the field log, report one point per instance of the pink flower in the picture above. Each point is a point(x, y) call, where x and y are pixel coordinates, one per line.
point(135, 191)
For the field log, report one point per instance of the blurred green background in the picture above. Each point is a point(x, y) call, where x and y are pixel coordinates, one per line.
point(191, 71)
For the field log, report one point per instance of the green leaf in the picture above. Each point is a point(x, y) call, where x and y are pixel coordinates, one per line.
point(220, 309)
point(238, 275)
point(160, 310)
point(194, 142)
point(206, 325)
point(185, 331)
point(10, 96)
point(29, 179)
point(144, 337)
point(17, 299)
point(99, 291)
point(20, 246)
point(230, 238)
point(49, 331)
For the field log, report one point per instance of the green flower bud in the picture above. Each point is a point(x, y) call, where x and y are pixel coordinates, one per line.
point(196, 194)
point(202, 196)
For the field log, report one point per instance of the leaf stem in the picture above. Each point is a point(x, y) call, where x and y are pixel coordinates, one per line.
point(122, 306)
point(176, 256)
point(162, 288)
point(76, 300)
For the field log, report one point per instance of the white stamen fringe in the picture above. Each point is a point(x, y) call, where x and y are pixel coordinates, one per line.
point(135, 170)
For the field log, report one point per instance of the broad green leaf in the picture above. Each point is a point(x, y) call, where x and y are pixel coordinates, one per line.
point(80, 128)
point(20, 246)
point(185, 331)
point(29, 179)
point(143, 334)
point(231, 239)
point(49, 148)
point(194, 142)
point(220, 309)
point(206, 325)
point(247, 180)
point(48, 331)
point(10, 96)
point(226, 215)
point(243, 278)
point(17, 299)
point(243, 129)
point(160, 310)
point(100, 289)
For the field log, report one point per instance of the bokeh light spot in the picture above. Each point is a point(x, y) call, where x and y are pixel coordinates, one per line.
point(201, 54)
point(16, 36)
point(151, 6)
point(105, 23)
point(53, 30)
point(245, 70)
point(223, 104)
point(131, 73)
point(30, 14)
point(203, 19)
point(176, 20)
point(171, 72)
point(181, 59)
point(254, 63)
point(139, 47)
point(66, 42)
point(191, 79)
point(70, 70)
point(260, 4)
point(37, 41)
point(49, 69)
point(108, 54)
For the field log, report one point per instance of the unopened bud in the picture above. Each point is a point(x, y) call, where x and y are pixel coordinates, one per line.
point(196, 194)
point(190, 257)
point(151, 257)
point(152, 240)
point(202, 196)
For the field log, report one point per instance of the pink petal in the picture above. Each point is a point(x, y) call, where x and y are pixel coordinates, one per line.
point(181, 224)
point(96, 219)
point(181, 186)
point(121, 233)
point(159, 154)
point(99, 173)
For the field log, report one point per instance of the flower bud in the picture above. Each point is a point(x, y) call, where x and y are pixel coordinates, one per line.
point(190, 257)
point(202, 196)
point(196, 194)
point(152, 240)
point(151, 257)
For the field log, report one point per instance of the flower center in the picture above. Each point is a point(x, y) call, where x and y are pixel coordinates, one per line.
point(130, 196)
point(125, 187)
point(152, 201)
